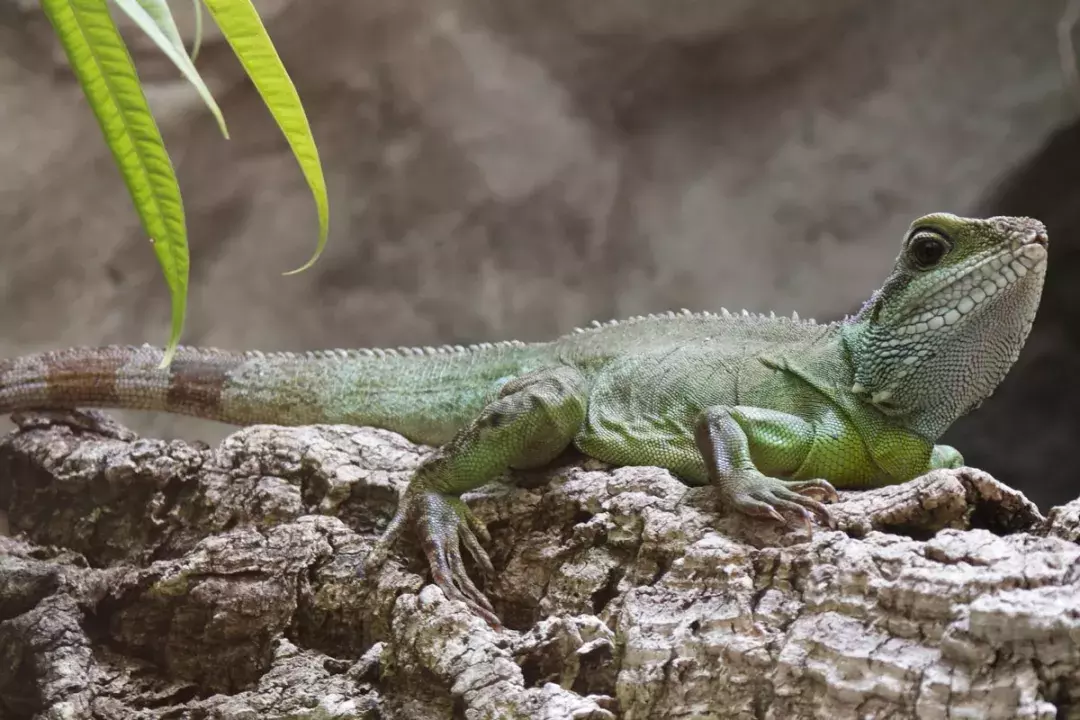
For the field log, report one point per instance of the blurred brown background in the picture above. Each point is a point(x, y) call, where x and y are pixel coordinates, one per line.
point(512, 168)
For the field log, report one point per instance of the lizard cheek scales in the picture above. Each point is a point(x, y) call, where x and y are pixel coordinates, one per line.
point(770, 410)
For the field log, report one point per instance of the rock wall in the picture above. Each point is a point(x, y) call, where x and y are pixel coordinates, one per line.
point(514, 168)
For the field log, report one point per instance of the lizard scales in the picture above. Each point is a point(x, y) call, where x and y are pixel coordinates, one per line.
point(442, 386)
point(771, 410)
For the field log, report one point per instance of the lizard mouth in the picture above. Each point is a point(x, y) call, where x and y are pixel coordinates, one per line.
point(972, 287)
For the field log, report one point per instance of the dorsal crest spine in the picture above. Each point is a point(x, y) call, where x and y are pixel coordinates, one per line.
point(741, 316)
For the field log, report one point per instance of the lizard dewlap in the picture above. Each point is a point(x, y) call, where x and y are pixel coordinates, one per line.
point(773, 411)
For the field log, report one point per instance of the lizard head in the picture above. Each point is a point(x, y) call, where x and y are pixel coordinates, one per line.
point(950, 321)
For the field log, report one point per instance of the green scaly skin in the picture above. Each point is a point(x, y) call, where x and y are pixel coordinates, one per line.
point(773, 411)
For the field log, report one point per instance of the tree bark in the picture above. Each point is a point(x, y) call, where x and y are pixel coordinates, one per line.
point(150, 579)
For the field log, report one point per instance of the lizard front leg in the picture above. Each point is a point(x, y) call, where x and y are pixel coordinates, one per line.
point(945, 457)
point(530, 423)
point(725, 435)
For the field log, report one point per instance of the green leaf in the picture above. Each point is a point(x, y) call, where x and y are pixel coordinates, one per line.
point(242, 28)
point(104, 69)
point(163, 18)
point(156, 20)
point(197, 44)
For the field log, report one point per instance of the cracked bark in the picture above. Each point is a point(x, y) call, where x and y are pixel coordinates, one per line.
point(149, 579)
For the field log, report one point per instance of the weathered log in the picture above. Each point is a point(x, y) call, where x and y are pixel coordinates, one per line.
point(151, 579)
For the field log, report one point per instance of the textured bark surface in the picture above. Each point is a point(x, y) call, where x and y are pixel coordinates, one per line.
point(153, 579)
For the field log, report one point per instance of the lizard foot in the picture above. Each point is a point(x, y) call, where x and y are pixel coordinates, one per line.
point(444, 524)
point(761, 496)
point(92, 421)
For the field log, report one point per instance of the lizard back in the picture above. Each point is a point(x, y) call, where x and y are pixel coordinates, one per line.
point(424, 393)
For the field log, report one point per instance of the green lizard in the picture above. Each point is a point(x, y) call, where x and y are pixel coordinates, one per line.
point(772, 411)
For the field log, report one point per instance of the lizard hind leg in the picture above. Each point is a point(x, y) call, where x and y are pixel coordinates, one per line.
point(533, 419)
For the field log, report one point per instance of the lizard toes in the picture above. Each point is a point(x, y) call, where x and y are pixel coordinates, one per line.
point(766, 498)
point(380, 551)
point(748, 505)
point(474, 600)
point(818, 489)
point(91, 421)
point(486, 615)
point(467, 586)
point(789, 505)
point(791, 498)
point(443, 530)
point(479, 554)
point(473, 524)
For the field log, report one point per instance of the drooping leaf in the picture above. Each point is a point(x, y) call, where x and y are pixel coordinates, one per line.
point(156, 20)
point(163, 18)
point(243, 29)
point(104, 68)
point(197, 44)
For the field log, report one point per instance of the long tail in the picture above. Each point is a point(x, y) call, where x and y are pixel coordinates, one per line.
point(423, 393)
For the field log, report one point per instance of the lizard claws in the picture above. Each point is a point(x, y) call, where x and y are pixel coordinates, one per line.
point(764, 497)
point(444, 524)
point(92, 421)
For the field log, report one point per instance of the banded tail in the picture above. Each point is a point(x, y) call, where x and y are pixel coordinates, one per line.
point(425, 394)
point(118, 377)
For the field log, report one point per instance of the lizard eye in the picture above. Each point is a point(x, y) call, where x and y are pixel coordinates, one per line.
point(926, 248)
